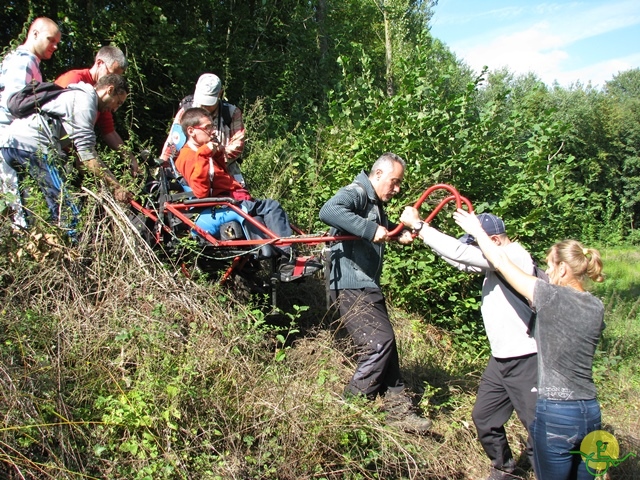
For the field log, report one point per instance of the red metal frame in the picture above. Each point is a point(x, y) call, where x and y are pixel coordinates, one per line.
point(178, 210)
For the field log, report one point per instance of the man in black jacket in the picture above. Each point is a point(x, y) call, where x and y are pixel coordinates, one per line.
point(356, 267)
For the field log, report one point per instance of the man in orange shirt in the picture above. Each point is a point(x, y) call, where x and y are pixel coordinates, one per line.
point(109, 59)
point(202, 163)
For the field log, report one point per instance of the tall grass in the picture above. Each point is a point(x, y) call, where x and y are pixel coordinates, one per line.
point(620, 345)
point(115, 366)
point(616, 367)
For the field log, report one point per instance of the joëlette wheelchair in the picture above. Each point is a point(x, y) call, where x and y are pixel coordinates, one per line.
point(218, 235)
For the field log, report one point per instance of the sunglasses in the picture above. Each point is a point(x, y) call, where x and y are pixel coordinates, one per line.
point(205, 128)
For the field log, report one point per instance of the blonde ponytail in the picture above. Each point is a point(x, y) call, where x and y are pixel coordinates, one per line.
point(594, 265)
point(583, 262)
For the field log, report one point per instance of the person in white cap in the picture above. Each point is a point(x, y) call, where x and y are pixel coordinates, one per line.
point(510, 380)
point(227, 118)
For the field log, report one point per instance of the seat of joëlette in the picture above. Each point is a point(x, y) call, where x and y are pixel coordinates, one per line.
point(221, 221)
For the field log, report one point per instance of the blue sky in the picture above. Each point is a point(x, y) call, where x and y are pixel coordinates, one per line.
point(564, 41)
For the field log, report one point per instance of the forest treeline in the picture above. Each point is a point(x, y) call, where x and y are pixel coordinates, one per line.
point(114, 366)
point(327, 86)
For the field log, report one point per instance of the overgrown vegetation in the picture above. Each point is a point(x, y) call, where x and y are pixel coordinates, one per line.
point(115, 366)
point(312, 80)
point(112, 367)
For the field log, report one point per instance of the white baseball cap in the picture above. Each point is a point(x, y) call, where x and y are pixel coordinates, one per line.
point(207, 90)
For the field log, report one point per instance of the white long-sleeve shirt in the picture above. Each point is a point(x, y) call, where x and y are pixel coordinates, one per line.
point(503, 313)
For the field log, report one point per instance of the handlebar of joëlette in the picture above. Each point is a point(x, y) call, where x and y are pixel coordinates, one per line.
point(455, 195)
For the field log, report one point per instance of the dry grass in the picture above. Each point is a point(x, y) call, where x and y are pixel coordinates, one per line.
point(115, 366)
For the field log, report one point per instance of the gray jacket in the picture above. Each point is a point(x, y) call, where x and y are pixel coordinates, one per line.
point(356, 210)
point(68, 117)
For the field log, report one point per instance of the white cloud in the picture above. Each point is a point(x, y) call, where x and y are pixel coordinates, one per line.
point(598, 73)
point(541, 43)
point(535, 49)
point(585, 23)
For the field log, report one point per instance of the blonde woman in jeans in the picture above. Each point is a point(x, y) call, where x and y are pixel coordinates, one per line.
point(569, 323)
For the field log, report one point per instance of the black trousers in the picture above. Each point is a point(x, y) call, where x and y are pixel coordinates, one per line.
point(506, 385)
point(363, 312)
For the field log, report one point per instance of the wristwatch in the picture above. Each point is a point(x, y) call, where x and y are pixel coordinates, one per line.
point(417, 227)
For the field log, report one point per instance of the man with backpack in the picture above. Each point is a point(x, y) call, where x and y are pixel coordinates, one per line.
point(109, 59)
point(227, 120)
point(356, 269)
point(510, 380)
point(34, 145)
point(20, 67)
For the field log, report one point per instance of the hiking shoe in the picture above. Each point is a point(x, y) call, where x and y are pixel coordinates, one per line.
point(411, 423)
point(505, 472)
point(298, 267)
point(402, 414)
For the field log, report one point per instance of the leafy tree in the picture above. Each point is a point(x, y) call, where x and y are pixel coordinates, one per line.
point(623, 127)
point(313, 82)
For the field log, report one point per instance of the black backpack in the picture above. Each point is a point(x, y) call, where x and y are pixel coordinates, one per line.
point(225, 108)
point(32, 97)
point(362, 193)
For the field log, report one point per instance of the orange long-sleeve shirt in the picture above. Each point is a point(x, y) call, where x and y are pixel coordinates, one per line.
point(206, 172)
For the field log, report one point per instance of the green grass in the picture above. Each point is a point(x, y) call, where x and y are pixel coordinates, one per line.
point(113, 366)
point(620, 293)
point(616, 366)
point(621, 272)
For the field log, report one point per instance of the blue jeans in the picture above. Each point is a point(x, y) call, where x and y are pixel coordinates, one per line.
point(271, 212)
point(46, 171)
point(560, 427)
